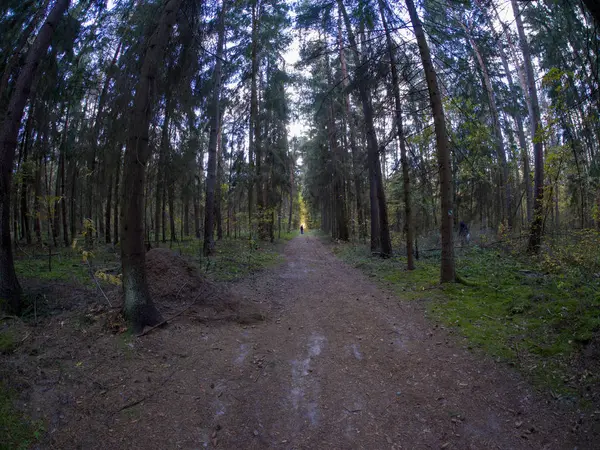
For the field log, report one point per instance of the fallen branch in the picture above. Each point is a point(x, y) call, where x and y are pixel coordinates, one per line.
point(98, 284)
point(9, 317)
point(147, 397)
point(164, 322)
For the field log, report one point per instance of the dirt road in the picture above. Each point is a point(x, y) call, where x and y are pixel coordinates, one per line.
point(339, 364)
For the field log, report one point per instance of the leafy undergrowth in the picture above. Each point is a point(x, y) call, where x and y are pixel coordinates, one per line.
point(234, 258)
point(16, 431)
point(539, 315)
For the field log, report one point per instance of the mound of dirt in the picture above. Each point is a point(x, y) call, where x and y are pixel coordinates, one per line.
point(172, 277)
point(173, 280)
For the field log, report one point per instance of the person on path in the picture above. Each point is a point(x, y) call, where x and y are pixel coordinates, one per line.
point(301, 229)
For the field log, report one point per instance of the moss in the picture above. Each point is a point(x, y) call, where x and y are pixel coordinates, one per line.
point(7, 341)
point(510, 308)
point(16, 431)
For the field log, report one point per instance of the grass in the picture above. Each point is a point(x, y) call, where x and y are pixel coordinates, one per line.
point(16, 431)
point(234, 259)
point(515, 309)
point(7, 341)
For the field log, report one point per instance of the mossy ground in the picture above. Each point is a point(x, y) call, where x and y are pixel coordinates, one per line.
point(515, 308)
point(16, 431)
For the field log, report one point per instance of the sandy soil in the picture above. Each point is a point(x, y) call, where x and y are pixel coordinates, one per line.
point(338, 364)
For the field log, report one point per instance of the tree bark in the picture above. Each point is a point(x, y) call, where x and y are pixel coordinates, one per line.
point(139, 308)
point(506, 214)
point(254, 131)
point(448, 273)
point(116, 206)
point(379, 216)
point(537, 225)
point(594, 8)
point(10, 289)
point(350, 123)
point(211, 178)
point(408, 221)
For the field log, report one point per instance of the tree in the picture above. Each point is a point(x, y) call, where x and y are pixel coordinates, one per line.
point(537, 224)
point(380, 234)
point(443, 151)
point(139, 308)
point(408, 219)
point(10, 290)
point(211, 179)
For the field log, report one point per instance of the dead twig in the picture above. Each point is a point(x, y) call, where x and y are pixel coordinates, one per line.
point(98, 284)
point(9, 317)
point(143, 333)
point(149, 396)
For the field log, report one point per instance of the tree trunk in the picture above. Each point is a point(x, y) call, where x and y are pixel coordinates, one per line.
point(10, 289)
point(211, 179)
point(594, 8)
point(139, 308)
point(218, 190)
point(116, 207)
point(443, 151)
point(340, 231)
point(537, 225)
point(505, 209)
point(254, 131)
point(408, 223)
point(171, 195)
point(108, 210)
point(379, 219)
point(350, 123)
point(95, 136)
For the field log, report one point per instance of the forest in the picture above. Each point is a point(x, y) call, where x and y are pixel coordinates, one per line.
point(446, 150)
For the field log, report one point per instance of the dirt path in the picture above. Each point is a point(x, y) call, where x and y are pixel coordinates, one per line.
point(339, 364)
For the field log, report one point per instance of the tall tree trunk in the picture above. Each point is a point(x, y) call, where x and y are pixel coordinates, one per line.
point(13, 59)
point(171, 195)
point(197, 193)
point(95, 136)
point(108, 210)
point(350, 123)
point(506, 214)
point(291, 212)
point(26, 180)
point(218, 190)
point(340, 231)
point(116, 206)
point(408, 222)
point(61, 177)
point(537, 225)
point(211, 179)
point(448, 273)
point(378, 204)
point(158, 200)
point(139, 308)
point(522, 141)
point(254, 131)
point(10, 289)
point(37, 193)
point(594, 8)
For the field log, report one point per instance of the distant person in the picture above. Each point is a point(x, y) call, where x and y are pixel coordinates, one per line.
point(463, 233)
point(301, 229)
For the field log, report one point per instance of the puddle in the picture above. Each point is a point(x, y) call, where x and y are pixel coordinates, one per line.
point(356, 352)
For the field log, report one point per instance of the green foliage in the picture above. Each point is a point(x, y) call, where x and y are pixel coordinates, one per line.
point(16, 431)
point(7, 341)
point(67, 266)
point(513, 309)
point(234, 258)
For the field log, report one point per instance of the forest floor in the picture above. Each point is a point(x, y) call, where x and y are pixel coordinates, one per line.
point(308, 354)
